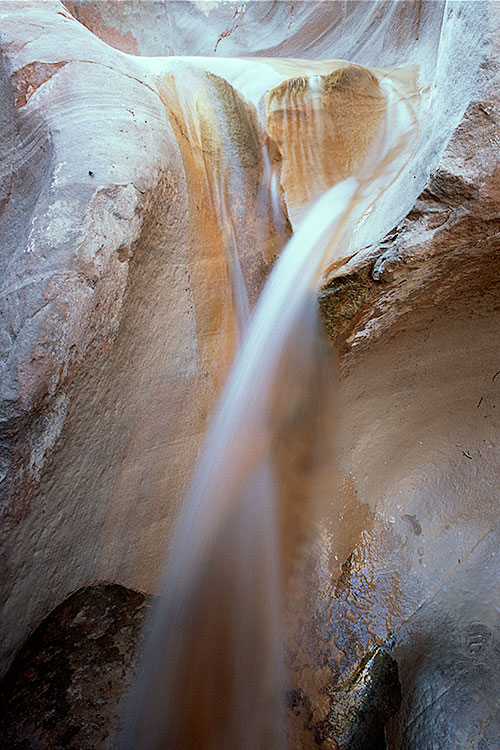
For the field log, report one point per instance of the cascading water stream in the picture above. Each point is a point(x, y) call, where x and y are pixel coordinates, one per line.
point(213, 674)
point(218, 184)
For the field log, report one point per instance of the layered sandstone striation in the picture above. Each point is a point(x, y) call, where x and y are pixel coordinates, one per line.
point(117, 304)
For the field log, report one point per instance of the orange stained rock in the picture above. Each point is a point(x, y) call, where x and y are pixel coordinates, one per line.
point(324, 126)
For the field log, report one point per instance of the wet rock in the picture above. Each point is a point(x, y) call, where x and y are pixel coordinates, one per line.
point(362, 706)
point(117, 335)
point(65, 688)
point(340, 113)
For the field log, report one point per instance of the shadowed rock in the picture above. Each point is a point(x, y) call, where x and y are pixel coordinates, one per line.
point(66, 685)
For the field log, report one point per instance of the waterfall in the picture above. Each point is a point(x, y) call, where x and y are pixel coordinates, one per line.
point(213, 675)
point(249, 291)
point(356, 144)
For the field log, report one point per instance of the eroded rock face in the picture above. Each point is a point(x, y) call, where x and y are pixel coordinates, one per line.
point(340, 113)
point(272, 28)
point(72, 214)
point(66, 686)
point(417, 325)
point(117, 303)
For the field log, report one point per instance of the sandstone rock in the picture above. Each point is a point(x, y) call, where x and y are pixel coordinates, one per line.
point(340, 113)
point(417, 320)
point(66, 685)
point(118, 326)
point(116, 305)
point(75, 191)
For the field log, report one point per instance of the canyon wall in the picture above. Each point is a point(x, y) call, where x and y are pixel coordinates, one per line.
point(118, 324)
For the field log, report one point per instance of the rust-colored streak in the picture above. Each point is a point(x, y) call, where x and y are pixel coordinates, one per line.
point(92, 19)
point(29, 78)
point(233, 27)
point(323, 140)
point(6, 198)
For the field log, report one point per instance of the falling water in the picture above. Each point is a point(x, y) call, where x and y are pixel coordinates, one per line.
point(213, 674)
point(219, 183)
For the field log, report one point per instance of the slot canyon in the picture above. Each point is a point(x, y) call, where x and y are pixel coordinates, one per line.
point(249, 371)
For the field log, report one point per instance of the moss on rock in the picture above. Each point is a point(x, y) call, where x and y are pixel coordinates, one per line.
point(341, 302)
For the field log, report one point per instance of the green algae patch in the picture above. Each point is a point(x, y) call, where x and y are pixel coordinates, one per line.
point(348, 79)
point(241, 122)
point(341, 302)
